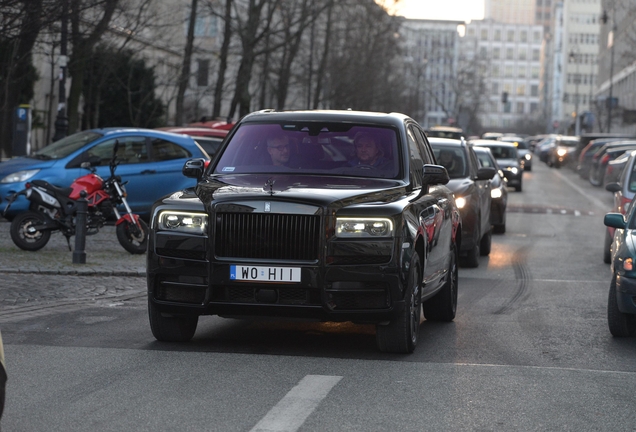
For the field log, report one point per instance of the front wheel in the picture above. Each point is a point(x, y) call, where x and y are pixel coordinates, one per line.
point(401, 334)
point(171, 328)
point(607, 248)
point(620, 324)
point(486, 244)
point(133, 238)
point(25, 235)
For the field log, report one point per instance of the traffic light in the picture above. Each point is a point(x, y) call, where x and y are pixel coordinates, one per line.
point(504, 97)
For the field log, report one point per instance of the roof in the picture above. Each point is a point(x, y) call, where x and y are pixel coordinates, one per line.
point(388, 119)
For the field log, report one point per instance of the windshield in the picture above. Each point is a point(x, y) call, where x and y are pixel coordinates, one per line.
point(503, 152)
point(568, 143)
point(452, 158)
point(66, 146)
point(312, 148)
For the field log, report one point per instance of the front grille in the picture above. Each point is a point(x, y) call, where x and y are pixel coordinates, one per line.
point(267, 236)
point(358, 260)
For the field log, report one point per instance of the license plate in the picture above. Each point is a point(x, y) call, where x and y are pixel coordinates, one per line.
point(264, 274)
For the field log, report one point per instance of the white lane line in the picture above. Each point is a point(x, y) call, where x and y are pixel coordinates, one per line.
point(291, 411)
point(577, 213)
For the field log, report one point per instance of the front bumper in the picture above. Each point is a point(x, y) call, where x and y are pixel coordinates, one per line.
point(512, 178)
point(199, 284)
point(626, 294)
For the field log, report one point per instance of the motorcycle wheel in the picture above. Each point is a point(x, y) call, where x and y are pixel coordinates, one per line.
point(23, 234)
point(132, 238)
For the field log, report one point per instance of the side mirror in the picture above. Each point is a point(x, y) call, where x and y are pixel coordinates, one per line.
point(434, 174)
point(486, 173)
point(194, 168)
point(613, 187)
point(615, 220)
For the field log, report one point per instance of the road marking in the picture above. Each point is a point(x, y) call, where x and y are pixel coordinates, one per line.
point(577, 213)
point(291, 411)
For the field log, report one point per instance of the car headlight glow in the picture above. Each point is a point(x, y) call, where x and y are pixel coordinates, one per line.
point(561, 151)
point(495, 193)
point(186, 222)
point(513, 170)
point(19, 176)
point(364, 227)
point(461, 202)
point(528, 156)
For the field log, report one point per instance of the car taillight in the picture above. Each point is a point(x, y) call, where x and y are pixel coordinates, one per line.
point(206, 163)
point(605, 159)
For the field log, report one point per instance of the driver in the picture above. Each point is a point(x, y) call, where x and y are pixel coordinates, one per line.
point(368, 152)
point(278, 149)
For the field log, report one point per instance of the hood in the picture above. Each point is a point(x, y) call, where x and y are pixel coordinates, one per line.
point(460, 186)
point(312, 190)
point(23, 163)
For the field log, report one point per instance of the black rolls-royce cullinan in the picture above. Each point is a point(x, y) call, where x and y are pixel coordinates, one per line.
point(323, 215)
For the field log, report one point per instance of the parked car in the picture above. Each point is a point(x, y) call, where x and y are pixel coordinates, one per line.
point(614, 168)
point(522, 150)
point(322, 215)
point(563, 151)
point(586, 138)
point(608, 152)
point(621, 308)
point(445, 132)
point(624, 191)
point(209, 139)
point(542, 148)
point(507, 159)
point(498, 189)
point(150, 163)
point(587, 153)
point(471, 186)
point(491, 135)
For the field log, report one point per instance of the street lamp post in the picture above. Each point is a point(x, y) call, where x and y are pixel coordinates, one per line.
point(610, 45)
point(61, 121)
point(577, 125)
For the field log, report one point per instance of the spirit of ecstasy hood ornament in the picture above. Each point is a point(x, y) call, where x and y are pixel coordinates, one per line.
point(269, 185)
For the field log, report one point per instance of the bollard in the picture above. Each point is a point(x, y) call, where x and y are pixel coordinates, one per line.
point(79, 255)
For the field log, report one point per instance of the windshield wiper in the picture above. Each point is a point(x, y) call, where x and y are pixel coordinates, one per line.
point(41, 157)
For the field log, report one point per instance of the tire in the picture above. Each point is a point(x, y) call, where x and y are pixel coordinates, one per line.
point(471, 260)
point(486, 243)
point(401, 334)
point(29, 241)
point(519, 188)
point(132, 238)
point(593, 178)
point(620, 324)
point(171, 329)
point(607, 248)
point(443, 305)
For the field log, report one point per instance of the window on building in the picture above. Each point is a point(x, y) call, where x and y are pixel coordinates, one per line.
point(523, 36)
point(521, 90)
point(535, 72)
point(508, 72)
point(494, 88)
point(484, 34)
point(536, 55)
point(497, 34)
point(507, 88)
point(522, 54)
point(495, 70)
point(483, 52)
point(534, 90)
point(510, 54)
point(510, 36)
point(203, 72)
point(536, 37)
point(521, 71)
point(521, 107)
point(496, 53)
point(507, 107)
point(533, 107)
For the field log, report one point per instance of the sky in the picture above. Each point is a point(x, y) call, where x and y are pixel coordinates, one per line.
point(456, 10)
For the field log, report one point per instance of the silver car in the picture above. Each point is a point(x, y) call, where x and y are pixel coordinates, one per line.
point(624, 191)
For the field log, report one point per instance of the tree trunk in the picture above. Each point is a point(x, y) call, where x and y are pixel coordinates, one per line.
point(225, 49)
point(320, 73)
point(185, 68)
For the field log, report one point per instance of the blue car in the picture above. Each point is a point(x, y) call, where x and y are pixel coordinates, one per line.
point(150, 161)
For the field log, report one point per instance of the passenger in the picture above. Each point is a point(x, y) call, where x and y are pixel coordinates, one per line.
point(279, 151)
point(368, 153)
point(447, 160)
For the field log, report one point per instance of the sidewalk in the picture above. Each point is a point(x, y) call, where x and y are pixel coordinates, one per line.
point(104, 256)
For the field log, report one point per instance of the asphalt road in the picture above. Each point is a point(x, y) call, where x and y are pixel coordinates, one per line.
point(529, 350)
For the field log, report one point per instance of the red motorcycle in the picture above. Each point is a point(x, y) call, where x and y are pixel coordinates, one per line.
point(54, 208)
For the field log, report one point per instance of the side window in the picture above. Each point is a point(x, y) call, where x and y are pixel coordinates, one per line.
point(473, 158)
point(163, 150)
point(415, 158)
point(427, 152)
point(130, 150)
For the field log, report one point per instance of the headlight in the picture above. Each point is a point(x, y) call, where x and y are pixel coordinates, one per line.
point(19, 176)
point(495, 193)
point(185, 222)
point(528, 156)
point(364, 227)
point(513, 170)
point(461, 202)
point(561, 151)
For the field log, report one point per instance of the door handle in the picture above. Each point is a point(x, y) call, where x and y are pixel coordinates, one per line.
point(149, 171)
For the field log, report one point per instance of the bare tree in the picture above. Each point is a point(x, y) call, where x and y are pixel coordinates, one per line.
point(184, 79)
